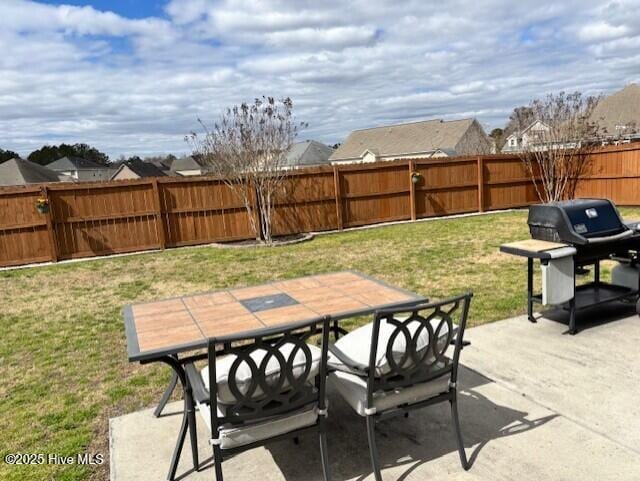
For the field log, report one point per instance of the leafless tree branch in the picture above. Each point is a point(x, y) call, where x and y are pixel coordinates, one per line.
point(557, 157)
point(247, 147)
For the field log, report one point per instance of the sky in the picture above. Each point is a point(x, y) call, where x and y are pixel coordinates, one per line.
point(133, 77)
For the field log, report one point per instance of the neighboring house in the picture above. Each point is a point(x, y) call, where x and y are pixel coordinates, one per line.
point(187, 166)
point(428, 138)
point(521, 140)
point(81, 169)
point(618, 115)
point(136, 169)
point(308, 153)
point(22, 172)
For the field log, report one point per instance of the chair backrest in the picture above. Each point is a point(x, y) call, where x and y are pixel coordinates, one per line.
point(280, 363)
point(418, 340)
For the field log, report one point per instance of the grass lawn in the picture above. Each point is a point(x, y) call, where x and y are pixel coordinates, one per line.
point(63, 359)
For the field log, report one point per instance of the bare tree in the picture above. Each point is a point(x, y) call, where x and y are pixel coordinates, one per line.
point(247, 147)
point(557, 154)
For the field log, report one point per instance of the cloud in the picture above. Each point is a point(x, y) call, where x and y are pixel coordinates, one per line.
point(602, 31)
point(137, 85)
point(332, 38)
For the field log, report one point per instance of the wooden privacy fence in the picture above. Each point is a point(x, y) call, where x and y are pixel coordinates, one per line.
point(94, 219)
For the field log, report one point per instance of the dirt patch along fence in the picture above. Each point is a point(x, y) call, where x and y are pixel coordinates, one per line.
point(100, 218)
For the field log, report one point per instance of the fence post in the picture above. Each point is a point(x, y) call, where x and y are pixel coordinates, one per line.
point(412, 189)
point(53, 248)
point(480, 184)
point(160, 222)
point(337, 187)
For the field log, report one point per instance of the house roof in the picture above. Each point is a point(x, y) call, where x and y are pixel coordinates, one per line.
point(533, 124)
point(185, 163)
point(20, 172)
point(620, 108)
point(308, 152)
point(73, 163)
point(162, 163)
point(414, 137)
point(140, 168)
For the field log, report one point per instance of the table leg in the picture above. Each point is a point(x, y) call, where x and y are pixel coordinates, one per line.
point(177, 451)
point(530, 290)
point(166, 395)
point(191, 419)
point(572, 306)
point(572, 316)
point(188, 419)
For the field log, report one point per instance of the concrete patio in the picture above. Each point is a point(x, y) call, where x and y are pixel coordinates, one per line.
point(535, 404)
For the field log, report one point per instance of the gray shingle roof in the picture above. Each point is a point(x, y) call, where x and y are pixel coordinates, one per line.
point(185, 163)
point(308, 152)
point(73, 163)
point(141, 168)
point(414, 137)
point(21, 172)
point(620, 108)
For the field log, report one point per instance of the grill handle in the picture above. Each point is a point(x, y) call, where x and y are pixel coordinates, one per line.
point(622, 235)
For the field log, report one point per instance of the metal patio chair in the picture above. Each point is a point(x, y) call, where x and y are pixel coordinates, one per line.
point(399, 363)
point(264, 387)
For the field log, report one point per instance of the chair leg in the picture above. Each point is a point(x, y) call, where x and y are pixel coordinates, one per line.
point(456, 425)
point(217, 462)
point(373, 450)
point(324, 452)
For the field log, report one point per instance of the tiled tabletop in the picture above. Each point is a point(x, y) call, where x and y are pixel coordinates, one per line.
point(174, 325)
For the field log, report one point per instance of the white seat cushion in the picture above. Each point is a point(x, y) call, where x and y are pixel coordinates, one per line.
point(234, 436)
point(357, 344)
point(354, 390)
point(272, 371)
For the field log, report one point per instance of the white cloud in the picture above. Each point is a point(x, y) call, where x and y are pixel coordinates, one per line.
point(602, 31)
point(136, 86)
point(337, 37)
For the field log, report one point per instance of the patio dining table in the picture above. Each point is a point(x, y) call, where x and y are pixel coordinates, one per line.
point(160, 331)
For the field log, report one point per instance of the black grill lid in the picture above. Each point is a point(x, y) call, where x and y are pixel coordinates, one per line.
point(575, 221)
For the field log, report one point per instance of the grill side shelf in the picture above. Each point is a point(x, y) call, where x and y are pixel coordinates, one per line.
point(534, 249)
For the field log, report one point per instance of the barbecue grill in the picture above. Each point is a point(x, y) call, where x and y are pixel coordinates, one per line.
point(569, 237)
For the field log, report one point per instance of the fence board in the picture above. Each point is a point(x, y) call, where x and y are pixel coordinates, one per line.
point(446, 187)
point(306, 203)
point(114, 218)
point(375, 193)
point(200, 212)
point(24, 237)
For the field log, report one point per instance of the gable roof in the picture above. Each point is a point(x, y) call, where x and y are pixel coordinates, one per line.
point(140, 168)
point(73, 163)
point(161, 163)
point(533, 124)
point(308, 152)
point(414, 137)
point(20, 172)
point(620, 108)
point(185, 163)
